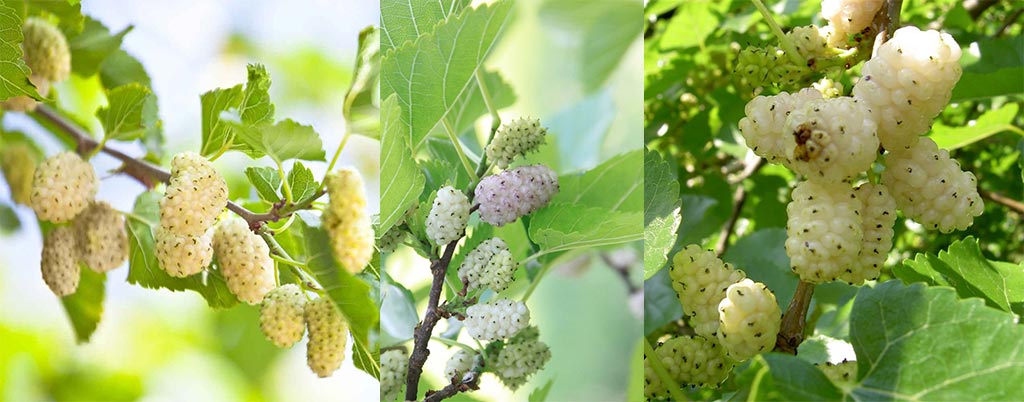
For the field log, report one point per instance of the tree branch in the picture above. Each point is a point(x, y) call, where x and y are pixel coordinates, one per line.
point(424, 330)
point(739, 198)
point(469, 382)
point(1010, 203)
point(791, 333)
point(149, 174)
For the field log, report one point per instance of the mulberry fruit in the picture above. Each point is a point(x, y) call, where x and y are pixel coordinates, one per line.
point(841, 373)
point(930, 188)
point(824, 230)
point(46, 50)
point(182, 256)
point(764, 125)
point(848, 17)
point(281, 315)
point(700, 279)
point(689, 360)
point(498, 319)
point(60, 261)
point(749, 319)
point(459, 364)
point(520, 359)
point(833, 139)
point(515, 139)
point(63, 186)
point(347, 220)
point(448, 217)
point(196, 194)
point(908, 82)
point(244, 260)
point(102, 239)
point(328, 334)
point(505, 197)
point(878, 214)
point(489, 265)
point(393, 367)
point(18, 161)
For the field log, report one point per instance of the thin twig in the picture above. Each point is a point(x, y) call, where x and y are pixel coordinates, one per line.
point(1012, 19)
point(623, 271)
point(739, 198)
point(424, 330)
point(469, 381)
point(1005, 201)
point(791, 332)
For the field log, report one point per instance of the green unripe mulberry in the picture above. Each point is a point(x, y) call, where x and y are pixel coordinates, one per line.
point(515, 139)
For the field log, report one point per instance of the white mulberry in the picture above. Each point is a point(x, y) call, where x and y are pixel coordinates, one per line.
point(328, 334)
point(448, 217)
point(460, 363)
point(244, 260)
point(515, 139)
point(691, 360)
point(833, 139)
point(809, 42)
point(519, 360)
point(390, 240)
point(347, 220)
point(764, 125)
point(824, 230)
point(62, 187)
point(908, 82)
point(194, 197)
point(505, 197)
point(750, 319)
point(282, 315)
point(844, 372)
point(930, 188)
point(46, 50)
point(181, 256)
point(497, 319)
point(878, 214)
point(102, 239)
point(700, 279)
point(394, 365)
point(60, 261)
point(848, 17)
point(18, 161)
point(489, 265)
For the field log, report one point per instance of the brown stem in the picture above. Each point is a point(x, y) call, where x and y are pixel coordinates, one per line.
point(623, 271)
point(469, 382)
point(1010, 203)
point(791, 333)
point(1012, 19)
point(739, 198)
point(421, 336)
point(149, 174)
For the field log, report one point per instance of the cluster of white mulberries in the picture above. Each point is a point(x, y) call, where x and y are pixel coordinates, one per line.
point(506, 196)
point(63, 186)
point(749, 319)
point(848, 17)
point(102, 239)
point(700, 279)
point(908, 82)
point(60, 261)
point(515, 139)
point(347, 221)
point(824, 230)
point(498, 319)
point(18, 162)
point(519, 359)
point(393, 367)
point(328, 335)
point(691, 360)
point(282, 317)
point(460, 363)
point(930, 188)
point(244, 260)
point(195, 195)
point(489, 265)
point(448, 217)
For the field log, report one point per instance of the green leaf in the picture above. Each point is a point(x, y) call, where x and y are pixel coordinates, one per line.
point(350, 294)
point(217, 133)
point(130, 113)
point(1006, 81)
point(471, 105)
point(359, 108)
point(92, 46)
point(266, 181)
point(68, 12)
point(281, 141)
point(623, 173)
point(120, 68)
point(781, 377)
point(661, 211)
point(9, 222)
point(430, 74)
point(302, 183)
point(608, 39)
point(398, 315)
point(580, 129)
point(691, 25)
point(255, 107)
point(405, 180)
point(540, 394)
point(403, 21)
point(13, 70)
point(85, 306)
point(920, 343)
point(965, 269)
point(661, 304)
point(565, 226)
point(988, 124)
point(762, 255)
point(144, 269)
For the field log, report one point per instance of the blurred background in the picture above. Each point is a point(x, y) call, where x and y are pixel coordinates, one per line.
point(158, 345)
point(576, 65)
